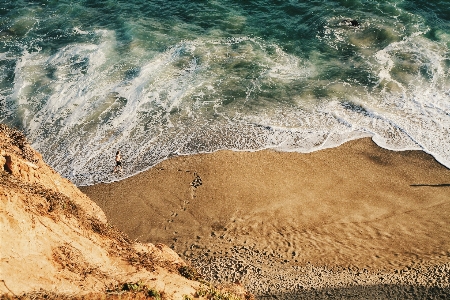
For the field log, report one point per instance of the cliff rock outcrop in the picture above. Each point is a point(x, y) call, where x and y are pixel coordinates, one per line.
point(56, 241)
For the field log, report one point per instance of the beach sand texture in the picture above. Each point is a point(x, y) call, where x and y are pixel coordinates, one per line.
point(290, 224)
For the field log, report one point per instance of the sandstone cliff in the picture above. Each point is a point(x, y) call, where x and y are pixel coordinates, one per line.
point(56, 242)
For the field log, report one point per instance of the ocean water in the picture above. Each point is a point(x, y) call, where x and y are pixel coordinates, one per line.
point(85, 78)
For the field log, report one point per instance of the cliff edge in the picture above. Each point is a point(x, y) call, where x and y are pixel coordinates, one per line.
point(56, 242)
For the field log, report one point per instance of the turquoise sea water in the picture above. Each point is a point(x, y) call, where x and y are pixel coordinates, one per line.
point(162, 78)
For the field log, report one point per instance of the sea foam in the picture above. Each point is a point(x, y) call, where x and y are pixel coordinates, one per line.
point(81, 102)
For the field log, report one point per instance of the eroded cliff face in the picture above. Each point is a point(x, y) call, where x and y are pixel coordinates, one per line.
point(18, 159)
point(55, 239)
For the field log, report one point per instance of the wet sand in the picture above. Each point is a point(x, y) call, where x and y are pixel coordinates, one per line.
point(356, 221)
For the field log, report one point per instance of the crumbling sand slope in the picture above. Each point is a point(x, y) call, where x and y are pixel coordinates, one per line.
point(55, 239)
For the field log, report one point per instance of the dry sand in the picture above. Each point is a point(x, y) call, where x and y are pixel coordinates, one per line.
point(352, 222)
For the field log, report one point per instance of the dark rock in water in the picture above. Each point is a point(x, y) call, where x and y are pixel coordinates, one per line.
point(353, 23)
point(6, 32)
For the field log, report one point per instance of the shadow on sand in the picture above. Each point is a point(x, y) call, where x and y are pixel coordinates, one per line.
point(384, 291)
point(431, 185)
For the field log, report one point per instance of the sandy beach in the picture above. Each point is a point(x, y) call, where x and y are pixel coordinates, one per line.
point(352, 222)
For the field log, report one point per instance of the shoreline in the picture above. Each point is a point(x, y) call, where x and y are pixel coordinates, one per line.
point(271, 216)
point(118, 179)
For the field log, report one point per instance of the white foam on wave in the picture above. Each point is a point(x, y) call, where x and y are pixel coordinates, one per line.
point(77, 30)
point(408, 108)
point(205, 95)
point(423, 108)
